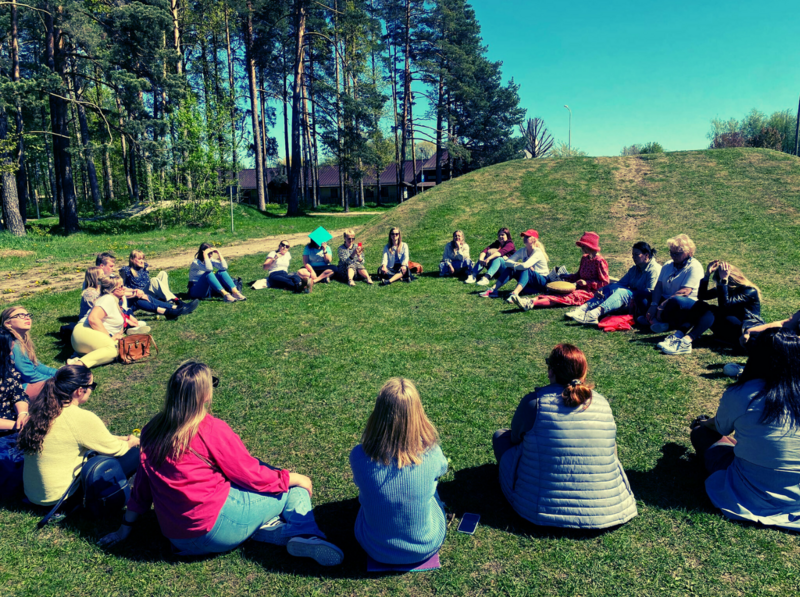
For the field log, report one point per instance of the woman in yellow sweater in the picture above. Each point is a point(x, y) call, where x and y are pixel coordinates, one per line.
point(59, 432)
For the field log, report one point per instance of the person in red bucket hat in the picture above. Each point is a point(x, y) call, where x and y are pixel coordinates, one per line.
point(592, 274)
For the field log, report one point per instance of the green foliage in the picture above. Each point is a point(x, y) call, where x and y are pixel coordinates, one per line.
point(646, 148)
point(562, 150)
point(755, 129)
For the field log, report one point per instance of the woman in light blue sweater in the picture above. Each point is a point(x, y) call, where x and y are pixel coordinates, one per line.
point(396, 468)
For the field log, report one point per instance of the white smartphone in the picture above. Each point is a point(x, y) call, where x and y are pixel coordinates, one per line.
point(469, 522)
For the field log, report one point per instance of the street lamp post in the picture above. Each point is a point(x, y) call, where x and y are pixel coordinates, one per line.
point(569, 142)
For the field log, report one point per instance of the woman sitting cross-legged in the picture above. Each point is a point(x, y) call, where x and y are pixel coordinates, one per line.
point(318, 261)
point(739, 309)
point(394, 264)
point(208, 492)
point(158, 298)
point(558, 462)
point(455, 258)
point(592, 274)
point(15, 331)
point(396, 469)
point(756, 476)
point(58, 434)
point(632, 293)
point(204, 280)
point(528, 266)
point(351, 259)
point(96, 336)
point(277, 267)
point(492, 258)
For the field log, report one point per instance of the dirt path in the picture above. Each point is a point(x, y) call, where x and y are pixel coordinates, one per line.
point(17, 285)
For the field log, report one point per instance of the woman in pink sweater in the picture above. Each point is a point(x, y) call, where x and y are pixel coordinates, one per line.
point(208, 492)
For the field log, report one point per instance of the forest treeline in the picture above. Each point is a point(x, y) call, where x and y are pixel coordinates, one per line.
point(104, 103)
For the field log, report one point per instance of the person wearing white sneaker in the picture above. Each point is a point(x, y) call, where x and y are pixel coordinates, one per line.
point(208, 492)
point(492, 258)
point(528, 265)
point(678, 346)
point(676, 290)
point(396, 468)
point(455, 258)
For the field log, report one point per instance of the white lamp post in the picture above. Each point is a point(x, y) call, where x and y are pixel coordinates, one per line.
point(569, 142)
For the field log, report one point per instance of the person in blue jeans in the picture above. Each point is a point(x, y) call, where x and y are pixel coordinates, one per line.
point(209, 274)
point(632, 293)
point(492, 258)
point(528, 265)
point(676, 290)
point(208, 492)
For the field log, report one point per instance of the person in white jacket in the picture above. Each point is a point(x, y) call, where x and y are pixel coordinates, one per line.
point(528, 266)
point(456, 256)
point(394, 264)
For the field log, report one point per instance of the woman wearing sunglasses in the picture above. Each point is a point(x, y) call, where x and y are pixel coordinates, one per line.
point(15, 329)
point(278, 276)
point(351, 259)
point(59, 432)
point(394, 265)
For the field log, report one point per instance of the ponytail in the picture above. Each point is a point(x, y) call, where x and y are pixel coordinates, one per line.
point(577, 393)
point(569, 367)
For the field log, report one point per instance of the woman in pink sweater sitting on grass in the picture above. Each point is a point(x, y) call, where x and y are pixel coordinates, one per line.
point(592, 274)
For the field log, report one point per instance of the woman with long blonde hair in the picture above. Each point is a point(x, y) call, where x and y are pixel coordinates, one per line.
point(394, 263)
point(738, 310)
point(208, 492)
point(396, 468)
point(15, 330)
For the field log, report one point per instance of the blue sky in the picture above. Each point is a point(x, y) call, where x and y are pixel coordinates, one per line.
point(634, 72)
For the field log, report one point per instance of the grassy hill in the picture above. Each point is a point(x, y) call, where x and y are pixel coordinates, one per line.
point(300, 374)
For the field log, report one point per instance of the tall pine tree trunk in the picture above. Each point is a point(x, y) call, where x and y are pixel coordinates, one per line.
point(22, 172)
point(296, 176)
point(51, 176)
point(14, 222)
point(88, 153)
point(232, 91)
point(251, 77)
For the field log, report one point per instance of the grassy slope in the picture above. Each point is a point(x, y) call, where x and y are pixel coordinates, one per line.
point(300, 374)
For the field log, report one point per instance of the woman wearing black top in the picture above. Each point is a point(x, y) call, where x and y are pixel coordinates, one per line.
point(739, 308)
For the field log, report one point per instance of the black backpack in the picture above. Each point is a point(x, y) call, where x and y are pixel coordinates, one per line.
point(105, 487)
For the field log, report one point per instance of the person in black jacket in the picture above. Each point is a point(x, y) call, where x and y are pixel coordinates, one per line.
point(739, 308)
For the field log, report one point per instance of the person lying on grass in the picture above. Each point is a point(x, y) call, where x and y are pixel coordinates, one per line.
point(739, 309)
point(592, 274)
point(455, 258)
point(558, 462)
point(756, 476)
point(492, 258)
point(528, 266)
point(209, 494)
point(396, 468)
point(631, 294)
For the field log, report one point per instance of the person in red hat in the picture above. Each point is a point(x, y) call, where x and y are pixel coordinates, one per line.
point(592, 274)
point(528, 266)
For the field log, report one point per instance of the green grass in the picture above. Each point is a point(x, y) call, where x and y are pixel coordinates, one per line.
point(300, 374)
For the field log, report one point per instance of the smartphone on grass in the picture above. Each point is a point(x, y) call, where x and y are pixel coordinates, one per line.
point(469, 522)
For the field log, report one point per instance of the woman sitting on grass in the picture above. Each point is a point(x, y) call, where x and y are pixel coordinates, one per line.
point(394, 264)
point(676, 290)
point(15, 324)
point(492, 258)
point(351, 259)
point(204, 280)
point(455, 258)
point(739, 309)
point(528, 266)
point(58, 434)
point(318, 261)
point(277, 267)
point(592, 274)
point(632, 293)
point(209, 493)
point(158, 297)
point(396, 469)
point(757, 475)
point(96, 337)
point(558, 462)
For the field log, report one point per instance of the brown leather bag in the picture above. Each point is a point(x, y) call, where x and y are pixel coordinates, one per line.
point(415, 268)
point(135, 347)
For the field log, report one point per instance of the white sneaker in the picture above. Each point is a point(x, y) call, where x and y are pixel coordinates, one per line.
point(591, 317)
point(74, 361)
point(271, 532)
point(510, 300)
point(524, 303)
point(325, 553)
point(470, 279)
point(577, 314)
point(682, 346)
point(485, 281)
point(659, 327)
point(671, 339)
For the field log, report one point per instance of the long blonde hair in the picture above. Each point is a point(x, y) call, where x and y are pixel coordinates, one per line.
point(170, 432)
point(736, 276)
point(392, 247)
point(92, 277)
point(398, 429)
point(134, 254)
point(24, 339)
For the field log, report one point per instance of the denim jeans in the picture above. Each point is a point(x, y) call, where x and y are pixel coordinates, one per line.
point(285, 280)
point(611, 298)
point(459, 265)
point(244, 512)
point(532, 283)
point(150, 304)
point(211, 281)
point(676, 311)
point(494, 266)
point(506, 273)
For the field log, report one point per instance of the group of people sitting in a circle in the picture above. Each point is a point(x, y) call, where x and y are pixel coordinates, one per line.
point(558, 463)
